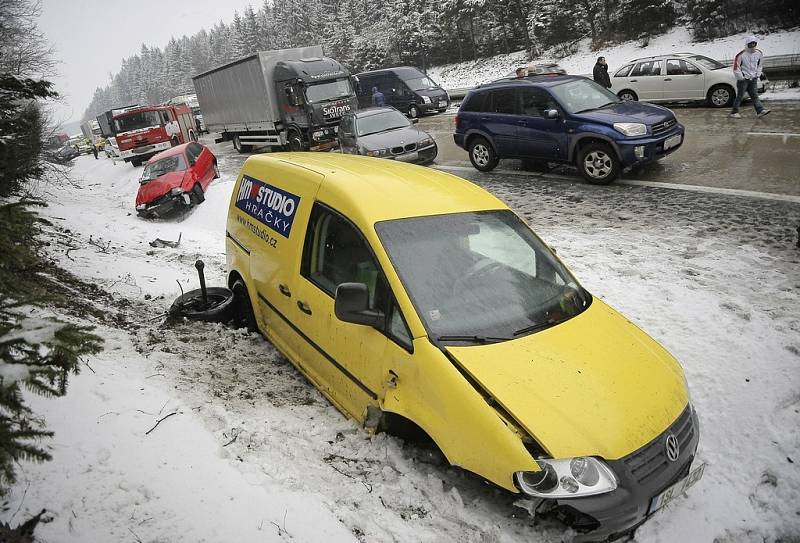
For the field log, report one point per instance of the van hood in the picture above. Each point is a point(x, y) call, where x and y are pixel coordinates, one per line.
point(627, 112)
point(595, 385)
point(434, 93)
point(158, 187)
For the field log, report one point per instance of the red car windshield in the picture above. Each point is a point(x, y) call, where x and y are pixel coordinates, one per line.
point(154, 170)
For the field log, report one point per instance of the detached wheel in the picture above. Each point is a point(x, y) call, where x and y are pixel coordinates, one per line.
point(721, 96)
point(627, 96)
point(218, 308)
point(598, 164)
point(482, 155)
point(413, 111)
point(197, 196)
point(243, 316)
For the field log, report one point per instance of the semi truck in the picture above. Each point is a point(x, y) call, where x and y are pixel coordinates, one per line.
point(284, 99)
point(143, 131)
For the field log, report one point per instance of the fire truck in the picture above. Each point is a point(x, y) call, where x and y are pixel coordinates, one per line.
point(143, 131)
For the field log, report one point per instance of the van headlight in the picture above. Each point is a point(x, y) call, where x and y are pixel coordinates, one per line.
point(567, 478)
point(426, 99)
point(631, 129)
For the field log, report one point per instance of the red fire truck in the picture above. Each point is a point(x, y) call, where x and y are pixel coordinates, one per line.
point(143, 131)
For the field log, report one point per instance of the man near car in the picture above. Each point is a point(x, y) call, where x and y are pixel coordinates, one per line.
point(600, 72)
point(522, 73)
point(747, 69)
point(378, 100)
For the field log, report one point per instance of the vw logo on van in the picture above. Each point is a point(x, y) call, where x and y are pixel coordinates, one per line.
point(673, 449)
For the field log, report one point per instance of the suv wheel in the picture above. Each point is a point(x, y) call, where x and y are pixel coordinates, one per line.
point(598, 164)
point(721, 96)
point(482, 155)
point(627, 96)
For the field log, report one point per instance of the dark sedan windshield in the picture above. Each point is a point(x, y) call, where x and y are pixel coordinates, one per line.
point(154, 170)
point(420, 83)
point(381, 122)
point(582, 95)
point(480, 275)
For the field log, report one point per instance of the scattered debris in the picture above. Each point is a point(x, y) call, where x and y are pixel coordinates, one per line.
point(158, 242)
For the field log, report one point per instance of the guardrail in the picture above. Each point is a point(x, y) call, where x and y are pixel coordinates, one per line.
point(776, 67)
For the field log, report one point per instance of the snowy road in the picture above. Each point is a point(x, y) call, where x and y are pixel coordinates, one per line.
point(715, 278)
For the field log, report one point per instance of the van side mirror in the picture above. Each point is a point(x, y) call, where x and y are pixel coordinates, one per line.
point(291, 96)
point(352, 305)
point(551, 114)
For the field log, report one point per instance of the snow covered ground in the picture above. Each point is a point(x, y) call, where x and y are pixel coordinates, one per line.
point(471, 73)
point(254, 453)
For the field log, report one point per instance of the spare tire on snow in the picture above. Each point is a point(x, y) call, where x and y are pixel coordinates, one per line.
point(219, 307)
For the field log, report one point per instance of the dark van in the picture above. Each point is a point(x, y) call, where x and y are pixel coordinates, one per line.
point(406, 88)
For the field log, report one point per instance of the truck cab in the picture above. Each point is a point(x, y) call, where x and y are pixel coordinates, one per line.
point(144, 131)
point(314, 94)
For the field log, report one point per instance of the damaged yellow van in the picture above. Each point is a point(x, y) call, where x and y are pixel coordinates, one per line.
point(413, 298)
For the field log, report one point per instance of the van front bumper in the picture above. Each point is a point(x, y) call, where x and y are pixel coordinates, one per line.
point(642, 476)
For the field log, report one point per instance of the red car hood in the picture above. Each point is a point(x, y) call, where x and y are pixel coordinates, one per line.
point(158, 187)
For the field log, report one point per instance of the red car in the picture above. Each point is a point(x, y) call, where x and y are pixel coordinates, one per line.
point(175, 179)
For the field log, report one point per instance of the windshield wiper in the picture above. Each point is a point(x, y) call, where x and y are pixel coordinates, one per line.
point(472, 338)
point(593, 108)
point(608, 104)
point(535, 327)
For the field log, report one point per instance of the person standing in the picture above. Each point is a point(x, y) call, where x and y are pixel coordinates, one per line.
point(94, 150)
point(600, 72)
point(747, 69)
point(378, 100)
point(522, 73)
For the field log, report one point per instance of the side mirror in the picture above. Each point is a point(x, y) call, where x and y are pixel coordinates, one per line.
point(291, 96)
point(551, 114)
point(352, 305)
point(414, 121)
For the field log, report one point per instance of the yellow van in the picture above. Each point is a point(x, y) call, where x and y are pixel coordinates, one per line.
point(414, 299)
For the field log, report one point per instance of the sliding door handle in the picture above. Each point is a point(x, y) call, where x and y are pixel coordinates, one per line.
point(285, 290)
point(303, 307)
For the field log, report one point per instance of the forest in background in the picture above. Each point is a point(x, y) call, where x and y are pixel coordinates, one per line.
point(366, 35)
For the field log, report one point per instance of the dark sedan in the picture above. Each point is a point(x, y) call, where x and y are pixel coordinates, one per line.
point(384, 132)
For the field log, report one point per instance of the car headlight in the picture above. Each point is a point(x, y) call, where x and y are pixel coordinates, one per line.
point(426, 99)
point(425, 142)
point(377, 152)
point(317, 135)
point(567, 478)
point(631, 129)
point(175, 191)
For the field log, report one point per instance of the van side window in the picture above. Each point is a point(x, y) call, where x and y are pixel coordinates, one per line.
point(534, 102)
point(476, 102)
point(334, 253)
point(503, 101)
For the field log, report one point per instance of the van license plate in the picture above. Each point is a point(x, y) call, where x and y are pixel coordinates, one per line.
point(659, 501)
point(672, 141)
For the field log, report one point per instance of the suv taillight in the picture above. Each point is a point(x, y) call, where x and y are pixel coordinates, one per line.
point(456, 121)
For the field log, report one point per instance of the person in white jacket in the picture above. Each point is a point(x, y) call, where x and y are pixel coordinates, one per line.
point(747, 69)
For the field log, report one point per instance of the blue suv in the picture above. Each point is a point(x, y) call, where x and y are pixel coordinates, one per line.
point(567, 119)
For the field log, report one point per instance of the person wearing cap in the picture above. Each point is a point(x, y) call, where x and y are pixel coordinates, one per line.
point(522, 72)
point(747, 69)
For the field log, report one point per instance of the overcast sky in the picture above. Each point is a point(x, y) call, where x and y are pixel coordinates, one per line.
point(92, 37)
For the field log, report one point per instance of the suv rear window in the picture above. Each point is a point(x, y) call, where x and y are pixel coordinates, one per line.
point(503, 101)
point(475, 102)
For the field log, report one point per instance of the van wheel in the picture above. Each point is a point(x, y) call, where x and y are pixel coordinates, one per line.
point(239, 146)
point(721, 96)
point(197, 196)
point(413, 111)
point(627, 96)
point(482, 155)
point(598, 164)
point(243, 316)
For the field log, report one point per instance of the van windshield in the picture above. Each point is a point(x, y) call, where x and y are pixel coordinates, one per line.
point(479, 275)
point(330, 90)
point(420, 83)
point(381, 122)
point(581, 95)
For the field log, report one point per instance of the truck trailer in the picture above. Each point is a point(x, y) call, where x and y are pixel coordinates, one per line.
point(287, 98)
